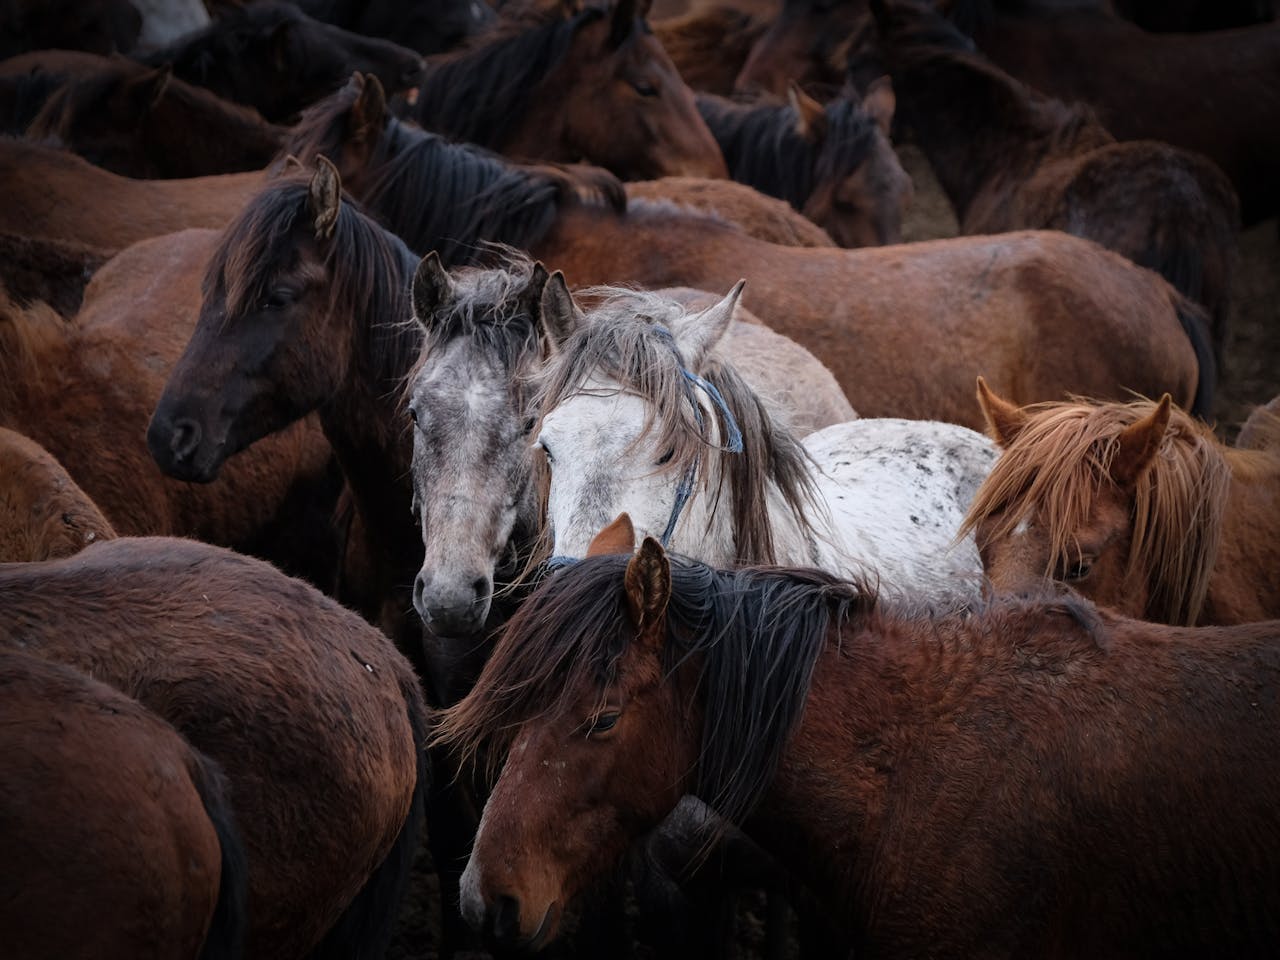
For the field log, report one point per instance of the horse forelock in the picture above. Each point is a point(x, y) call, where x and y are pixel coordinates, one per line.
point(756, 632)
point(1060, 462)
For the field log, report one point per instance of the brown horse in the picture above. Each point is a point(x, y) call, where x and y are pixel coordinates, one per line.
point(427, 26)
point(762, 217)
point(1113, 779)
point(56, 195)
point(1262, 430)
point(43, 514)
point(118, 836)
point(53, 271)
point(709, 46)
point(592, 84)
point(807, 43)
point(143, 122)
point(1010, 159)
point(315, 719)
point(833, 163)
point(84, 390)
point(1044, 313)
point(1214, 93)
point(1135, 505)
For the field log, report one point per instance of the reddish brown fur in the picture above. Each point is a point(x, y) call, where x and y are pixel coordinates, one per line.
point(1262, 430)
point(310, 711)
point(43, 514)
point(709, 46)
point(1189, 532)
point(55, 195)
point(85, 391)
point(53, 271)
point(109, 851)
point(765, 218)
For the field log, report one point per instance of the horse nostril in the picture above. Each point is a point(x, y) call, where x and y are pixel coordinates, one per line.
point(419, 588)
point(504, 920)
point(480, 587)
point(185, 439)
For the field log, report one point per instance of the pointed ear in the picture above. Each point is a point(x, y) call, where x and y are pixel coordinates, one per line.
point(647, 583)
point(324, 197)
point(147, 89)
point(560, 315)
point(531, 296)
point(617, 537)
point(1004, 420)
point(292, 164)
point(811, 118)
point(432, 286)
point(623, 22)
point(1138, 444)
point(880, 103)
point(700, 332)
point(369, 111)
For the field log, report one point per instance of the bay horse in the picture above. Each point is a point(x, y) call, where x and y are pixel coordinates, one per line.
point(589, 84)
point(103, 371)
point(832, 162)
point(314, 718)
point(54, 195)
point(765, 218)
point(273, 57)
point(43, 513)
point(1112, 778)
point(119, 836)
point(1041, 314)
point(1136, 506)
point(639, 412)
point(1009, 159)
point(143, 122)
point(1169, 87)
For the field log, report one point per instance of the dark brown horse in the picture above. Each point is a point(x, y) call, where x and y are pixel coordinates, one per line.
point(313, 716)
point(833, 163)
point(142, 122)
point(1049, 311)
point(427, 26)
point(53, 271)
point(1010, 159)
point(119, 838)
point(709, 46)
point(271, 56)
point(591, 85)
point(807, 43)
point(1135, 505)
point(43, 513)
point(1112, 779)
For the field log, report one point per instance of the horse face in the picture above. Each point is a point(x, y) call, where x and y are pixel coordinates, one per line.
point(1097, 566)
point(802, 44)
point(470, 480)
point(251, 368)
point(630, 111)
point(576, 789)
point(865, 207)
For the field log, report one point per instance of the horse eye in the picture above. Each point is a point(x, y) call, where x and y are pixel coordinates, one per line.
point(279, 298)
point(530, 424)
point(644, 88)
point(413, 414)
point(604, 723)
point(1078, 571)
point(666, 457)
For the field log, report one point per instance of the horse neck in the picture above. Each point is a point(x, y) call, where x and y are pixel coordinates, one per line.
point(1242, 587)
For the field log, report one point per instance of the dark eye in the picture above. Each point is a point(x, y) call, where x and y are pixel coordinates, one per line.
point(666, 457)
point(413, 414)
point(644, 88)
point(279, 298)
point(1078, 571)
point(545, 449)
point(604, 723)
point(530, 424)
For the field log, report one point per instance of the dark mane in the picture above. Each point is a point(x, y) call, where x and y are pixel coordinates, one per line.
point(370, 268)
point(476, 94)
point(449, 197)
point(758, 633)
point(763, 148)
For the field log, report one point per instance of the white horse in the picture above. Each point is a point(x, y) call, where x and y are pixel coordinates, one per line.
point(648, 420)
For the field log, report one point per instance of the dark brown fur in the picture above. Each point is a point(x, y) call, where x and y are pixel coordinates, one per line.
point(709, 46)
point(53, 271)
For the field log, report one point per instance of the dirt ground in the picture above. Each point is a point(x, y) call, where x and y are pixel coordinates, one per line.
point(1251, 376)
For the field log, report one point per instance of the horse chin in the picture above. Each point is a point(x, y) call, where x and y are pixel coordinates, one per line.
point(547, 930)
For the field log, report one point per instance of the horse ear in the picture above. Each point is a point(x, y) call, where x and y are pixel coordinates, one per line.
point(531, 297)
point(561, 316)
point(369, 111)
point(617, 537)
point(623, 22)
point(700, 332)
point(147, 89)
point(881, 102)
point(1005, 419)
point(811, 118)
point(1137, 446)
point(325, 197)
point(647, 583)
point(432, 286)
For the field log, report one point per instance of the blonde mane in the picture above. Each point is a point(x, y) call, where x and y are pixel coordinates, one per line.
point(1060, 460)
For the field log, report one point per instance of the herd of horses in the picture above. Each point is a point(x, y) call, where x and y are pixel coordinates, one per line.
point(519, 435)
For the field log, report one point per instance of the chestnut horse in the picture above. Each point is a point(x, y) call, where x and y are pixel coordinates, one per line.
point(1136, 505)
point(593, 85)
point(833, 163)
point(315, 719)
point(1112, 779)
point(146, 123)
point(43, 513)
point(1010, 159)
point(904, 328)
point(119, 837)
